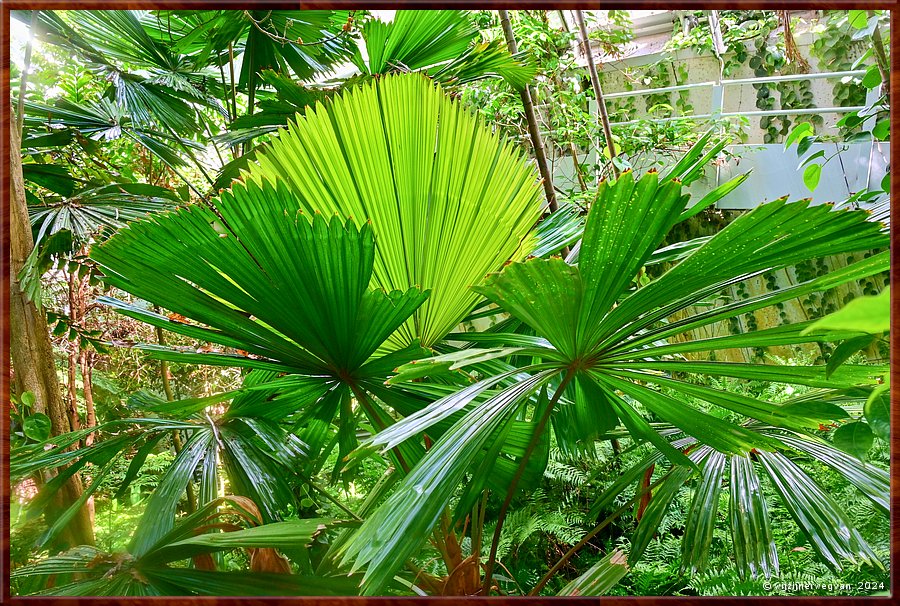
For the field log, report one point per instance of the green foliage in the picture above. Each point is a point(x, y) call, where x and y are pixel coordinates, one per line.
point(378, 377)
point(387, 172)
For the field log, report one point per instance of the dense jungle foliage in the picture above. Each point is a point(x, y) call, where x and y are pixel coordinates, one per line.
point(299, 309)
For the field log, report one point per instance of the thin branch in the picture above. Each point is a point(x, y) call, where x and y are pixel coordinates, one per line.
point(537, 142)
point(598, 92)
point(299, 42)
point(584, 541)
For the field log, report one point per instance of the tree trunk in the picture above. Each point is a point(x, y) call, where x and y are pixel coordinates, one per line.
point(598, 92)
point(537, 141)
point(30, 349)
point(86, 378)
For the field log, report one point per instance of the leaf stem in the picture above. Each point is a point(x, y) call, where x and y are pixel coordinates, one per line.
point(372, 413)
point(538, 430)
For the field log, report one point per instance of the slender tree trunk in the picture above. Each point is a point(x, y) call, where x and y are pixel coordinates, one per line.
point(23, 79)
point(536, 139)
point(73, 347)
point(30, 349)
point(85, 358)
point(86, 362)
point(598, 92)
point(177, 444)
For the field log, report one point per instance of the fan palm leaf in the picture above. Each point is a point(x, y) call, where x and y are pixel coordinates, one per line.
point(435, 183)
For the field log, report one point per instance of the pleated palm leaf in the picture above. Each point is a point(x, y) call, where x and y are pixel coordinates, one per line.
point(602, 349)
point(304, 43)
point(449, 201)
point(156, 570)
point(87, 211)
point(147, 80)
point(444, 44)
point(64, 224)
point(105, 121)
point(278, 291)
point(817, 514)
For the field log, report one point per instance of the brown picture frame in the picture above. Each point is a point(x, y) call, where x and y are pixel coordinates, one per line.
point(12, 5)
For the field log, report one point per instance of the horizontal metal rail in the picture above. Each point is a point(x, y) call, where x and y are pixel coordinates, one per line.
point(718, 98)
point(737, 82)
point(751, 114)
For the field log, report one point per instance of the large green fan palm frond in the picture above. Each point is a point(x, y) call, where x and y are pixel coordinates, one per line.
point(610, 337)
point(449, 201)
point(278, 292)
point(262, 278)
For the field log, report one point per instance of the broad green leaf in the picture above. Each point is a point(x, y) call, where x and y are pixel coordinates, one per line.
point(811, 176)
point(804, 129)
point(52, 177)
point(878, 412)
point(813, 156)
point(788, 334)
point(855, 438)
point(882, 129)
point(599, 578)
point(872, 77)
point(36, 426)
point(416, 40)
point(416, 422)
point(486, 60)
point(27, 398)
point(639, 428)
point(869, 314)
point(858, 19)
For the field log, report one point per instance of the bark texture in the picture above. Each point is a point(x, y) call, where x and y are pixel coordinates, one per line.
point(30, 349)
point(537, 141)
